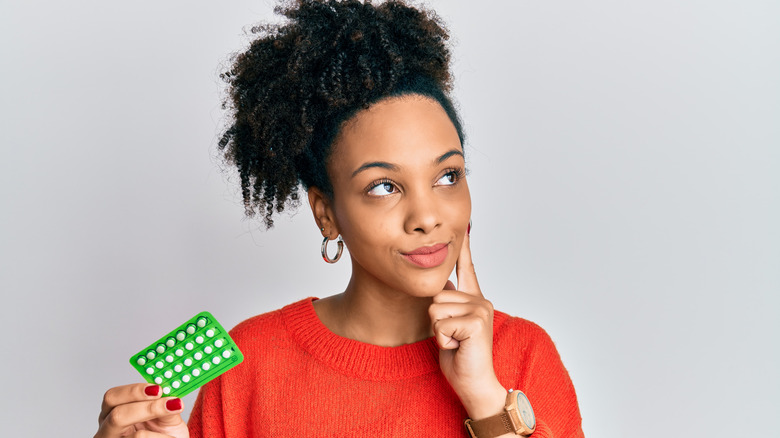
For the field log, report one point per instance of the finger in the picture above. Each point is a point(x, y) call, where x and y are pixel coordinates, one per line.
point(444, 338)
point(122, 417)
point(455, 296)
point(445, 310)
point(127, 394)
point(148, 434)
point(450, 332)
point(467, 276)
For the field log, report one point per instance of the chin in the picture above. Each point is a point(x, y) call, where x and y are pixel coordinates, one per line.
point(429, 285)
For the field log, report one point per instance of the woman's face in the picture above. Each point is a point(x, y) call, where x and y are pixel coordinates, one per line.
point(401, 201)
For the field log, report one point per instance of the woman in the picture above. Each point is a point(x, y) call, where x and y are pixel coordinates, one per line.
point(350, 100)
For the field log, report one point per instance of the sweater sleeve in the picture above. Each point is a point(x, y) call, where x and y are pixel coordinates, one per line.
point(545, 381)
point(542, 431)
point(206, 419)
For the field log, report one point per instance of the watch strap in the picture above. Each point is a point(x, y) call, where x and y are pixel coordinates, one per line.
point(490, 427)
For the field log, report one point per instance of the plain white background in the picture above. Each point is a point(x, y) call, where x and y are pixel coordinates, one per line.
point(624, 172)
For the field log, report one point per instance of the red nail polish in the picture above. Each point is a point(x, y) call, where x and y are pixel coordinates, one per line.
point(469, 229)
point(173, 404)
point(152, 390)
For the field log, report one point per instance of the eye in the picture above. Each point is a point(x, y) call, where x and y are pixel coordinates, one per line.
point(450, 178)
point(382, 188)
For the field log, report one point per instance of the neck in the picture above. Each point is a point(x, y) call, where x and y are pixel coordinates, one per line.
point(370, 313)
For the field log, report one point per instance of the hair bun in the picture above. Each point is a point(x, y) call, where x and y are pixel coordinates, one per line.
point(291, 89)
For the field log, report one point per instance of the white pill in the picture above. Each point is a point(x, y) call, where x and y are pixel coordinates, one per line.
point(167, 390)
point(141, 361)
point(180, 335)
point(179, 352)
point(150, 355)
point(170, 342)
point(185, 378)
point(159, 364)
point(219, 343)
point(158, 380)
point(208, 349)
point(216, 360)
point(198, 356)
point(176, 384)
point(169, 358)
point(206, 366)
point(187, 362)
point(177, 368)
point(168, 374)
point(209, 332)
point(160, 348)
point(196, 372)
point(226, 354)
point(150, 370)
point(202, 322)
point(189, 346)
point(191, 329)
point(199, 339)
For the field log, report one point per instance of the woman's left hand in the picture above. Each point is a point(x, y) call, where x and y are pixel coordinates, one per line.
point(463, 326)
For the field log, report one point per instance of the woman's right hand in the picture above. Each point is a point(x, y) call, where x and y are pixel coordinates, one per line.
point(138, 410)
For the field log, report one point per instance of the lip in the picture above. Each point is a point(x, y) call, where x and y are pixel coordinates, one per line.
point(428, 256)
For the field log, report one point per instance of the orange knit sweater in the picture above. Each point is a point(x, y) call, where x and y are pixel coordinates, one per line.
point(299, 379)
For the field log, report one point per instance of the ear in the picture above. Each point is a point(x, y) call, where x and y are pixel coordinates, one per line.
point(322, 210)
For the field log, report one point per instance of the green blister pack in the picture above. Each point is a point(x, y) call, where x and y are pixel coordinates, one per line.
point(188, 357)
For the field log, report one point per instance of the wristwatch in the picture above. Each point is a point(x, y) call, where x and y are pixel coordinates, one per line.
point(518, 418)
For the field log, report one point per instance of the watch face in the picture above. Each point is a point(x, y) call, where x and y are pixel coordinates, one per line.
point(526, 413)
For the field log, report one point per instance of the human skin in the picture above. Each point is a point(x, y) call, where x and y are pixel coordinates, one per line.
point(398, 183)
point(138, 410)
point(397, 171)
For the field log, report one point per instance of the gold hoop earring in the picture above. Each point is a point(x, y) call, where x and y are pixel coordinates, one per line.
point(324, 250)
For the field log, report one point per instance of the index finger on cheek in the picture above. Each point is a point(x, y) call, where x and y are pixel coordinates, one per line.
point(467, 276)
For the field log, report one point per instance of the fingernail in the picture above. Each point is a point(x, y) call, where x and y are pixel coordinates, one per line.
point(173, 404)
point(152, 390)
point(469, 230)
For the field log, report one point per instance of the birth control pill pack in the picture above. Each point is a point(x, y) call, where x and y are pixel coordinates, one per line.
point(189, 356)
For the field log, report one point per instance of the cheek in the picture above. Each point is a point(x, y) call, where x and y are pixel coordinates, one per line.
point(365, 226)
point(379, 227)
point(372, 225)
point(458, 207)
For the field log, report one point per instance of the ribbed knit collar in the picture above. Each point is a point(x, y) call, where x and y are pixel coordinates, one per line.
point(359, 359)
point(355, 358)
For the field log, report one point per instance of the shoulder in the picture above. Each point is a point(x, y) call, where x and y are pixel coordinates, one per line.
point(518, 331)
point(525, 357)
point(249, 328)
point(269, 328)
point(521, 347)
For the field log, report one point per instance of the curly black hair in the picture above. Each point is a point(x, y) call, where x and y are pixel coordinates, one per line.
point(291, 90)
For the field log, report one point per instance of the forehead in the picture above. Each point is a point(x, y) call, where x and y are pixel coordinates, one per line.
point(396, 129)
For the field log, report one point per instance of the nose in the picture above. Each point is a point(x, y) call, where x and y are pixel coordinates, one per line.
point(422, 213)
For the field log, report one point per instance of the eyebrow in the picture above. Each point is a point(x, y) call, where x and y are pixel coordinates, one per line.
point(380, 164)
point(394, 168)
point(447, 155)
